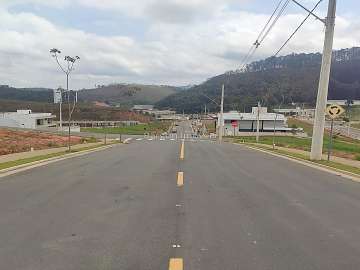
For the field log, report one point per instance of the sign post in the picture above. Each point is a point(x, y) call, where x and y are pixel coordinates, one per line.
point(333, 111)
point(331, 139)
point(234, 124)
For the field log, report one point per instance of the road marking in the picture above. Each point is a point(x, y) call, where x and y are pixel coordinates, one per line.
point(180, 179)
point(127, 140)
point(150, 139)
point(182, 150)
point(176, 264)
point(139, 139)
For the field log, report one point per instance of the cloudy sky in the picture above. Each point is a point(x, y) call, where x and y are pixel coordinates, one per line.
point(175, 42)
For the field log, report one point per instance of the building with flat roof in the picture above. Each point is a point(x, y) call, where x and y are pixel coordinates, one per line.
point(306, 113)
point(343, 102)
point(142, 108)
point(26, 119)
point(236, 122)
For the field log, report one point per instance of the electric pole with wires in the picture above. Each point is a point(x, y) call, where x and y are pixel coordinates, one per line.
point(319, 121)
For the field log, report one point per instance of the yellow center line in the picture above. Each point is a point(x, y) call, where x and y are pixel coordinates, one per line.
point(182, 151)
point(176, 264)
point(180, 179)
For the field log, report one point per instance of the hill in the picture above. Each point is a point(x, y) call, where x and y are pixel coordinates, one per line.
point(26, 94)
point(114, 94)
point(293, 78)
point(127, 94)
point(83, 111)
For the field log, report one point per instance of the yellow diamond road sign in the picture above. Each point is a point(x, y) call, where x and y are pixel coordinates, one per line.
point(334, 111)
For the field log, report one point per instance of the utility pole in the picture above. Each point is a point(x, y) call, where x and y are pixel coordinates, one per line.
point(221, 124)
point(60, 113)
point(319, 121)
point(258, 123)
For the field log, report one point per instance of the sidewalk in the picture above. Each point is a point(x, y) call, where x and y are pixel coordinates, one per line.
point(349, 162)
point(23, 155)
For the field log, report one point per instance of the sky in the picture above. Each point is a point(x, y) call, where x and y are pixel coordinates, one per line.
point(170, 42)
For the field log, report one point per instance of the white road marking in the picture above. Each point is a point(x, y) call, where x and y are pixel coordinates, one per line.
point(128, 140)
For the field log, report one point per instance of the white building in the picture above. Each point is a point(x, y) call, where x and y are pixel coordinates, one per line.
point(142, 108)
point(343, 102)
point(247, 122)
point(306, 113)
point(26, 119)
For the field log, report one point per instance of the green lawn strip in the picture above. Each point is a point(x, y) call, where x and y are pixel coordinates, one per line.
point(308, 128)
point(140, 129)
point(356, 125)
point(334, 165)
point(339, 146)
point(10, 164)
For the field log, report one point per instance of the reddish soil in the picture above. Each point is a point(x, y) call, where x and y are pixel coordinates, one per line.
point(21, 141)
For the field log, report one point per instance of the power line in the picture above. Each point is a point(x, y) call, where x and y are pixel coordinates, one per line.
point(266, 29)
point(297, 29)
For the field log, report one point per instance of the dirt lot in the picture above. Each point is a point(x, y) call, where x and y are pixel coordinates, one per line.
point(22, 141)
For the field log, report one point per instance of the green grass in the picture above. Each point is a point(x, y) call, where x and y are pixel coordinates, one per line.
point(10, 164)
point(357, 125)
point(355, 113)
point(153, 127)
point(331, 164)
point(339, 147)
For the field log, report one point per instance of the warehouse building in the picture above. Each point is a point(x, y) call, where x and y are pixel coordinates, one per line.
point(235, 122)
point(26, 119)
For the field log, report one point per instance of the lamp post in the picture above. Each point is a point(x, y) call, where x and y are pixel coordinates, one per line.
point(276, 114)
point(69, 67)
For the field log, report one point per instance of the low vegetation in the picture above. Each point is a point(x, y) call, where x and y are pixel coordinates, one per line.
point(156, 127)
point(342, 146)
point(10, 164)
point(334, 165)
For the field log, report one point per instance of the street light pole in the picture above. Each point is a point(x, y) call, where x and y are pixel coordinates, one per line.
point(258, 123)
point(319, 121)
point(221, 124)
point(60, 108)
point(70, 61)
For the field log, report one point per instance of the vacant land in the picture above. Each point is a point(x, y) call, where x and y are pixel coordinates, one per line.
point(151, 128)
point(12, 141)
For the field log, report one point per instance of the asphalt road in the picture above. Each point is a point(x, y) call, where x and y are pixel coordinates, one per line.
point(122, 208)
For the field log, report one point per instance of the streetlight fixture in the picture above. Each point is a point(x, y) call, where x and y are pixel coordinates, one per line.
point(69, 67)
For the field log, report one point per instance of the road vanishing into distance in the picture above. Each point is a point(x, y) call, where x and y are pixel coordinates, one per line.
point(153, 205)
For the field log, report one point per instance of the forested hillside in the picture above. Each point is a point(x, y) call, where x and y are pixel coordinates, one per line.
point(292, 78)
point(114, 94)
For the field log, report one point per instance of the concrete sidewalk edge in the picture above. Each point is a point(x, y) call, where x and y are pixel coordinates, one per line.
point(39, 163)
point(351, 176)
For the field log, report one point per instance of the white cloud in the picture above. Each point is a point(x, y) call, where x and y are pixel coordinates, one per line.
point(187, 48)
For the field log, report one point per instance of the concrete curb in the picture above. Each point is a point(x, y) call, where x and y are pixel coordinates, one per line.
point(331, 170)
point(40, 163)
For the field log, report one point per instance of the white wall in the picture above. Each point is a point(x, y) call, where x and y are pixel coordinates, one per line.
point(17, 120)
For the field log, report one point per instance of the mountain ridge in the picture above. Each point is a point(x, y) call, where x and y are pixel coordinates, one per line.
point(275, 80)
